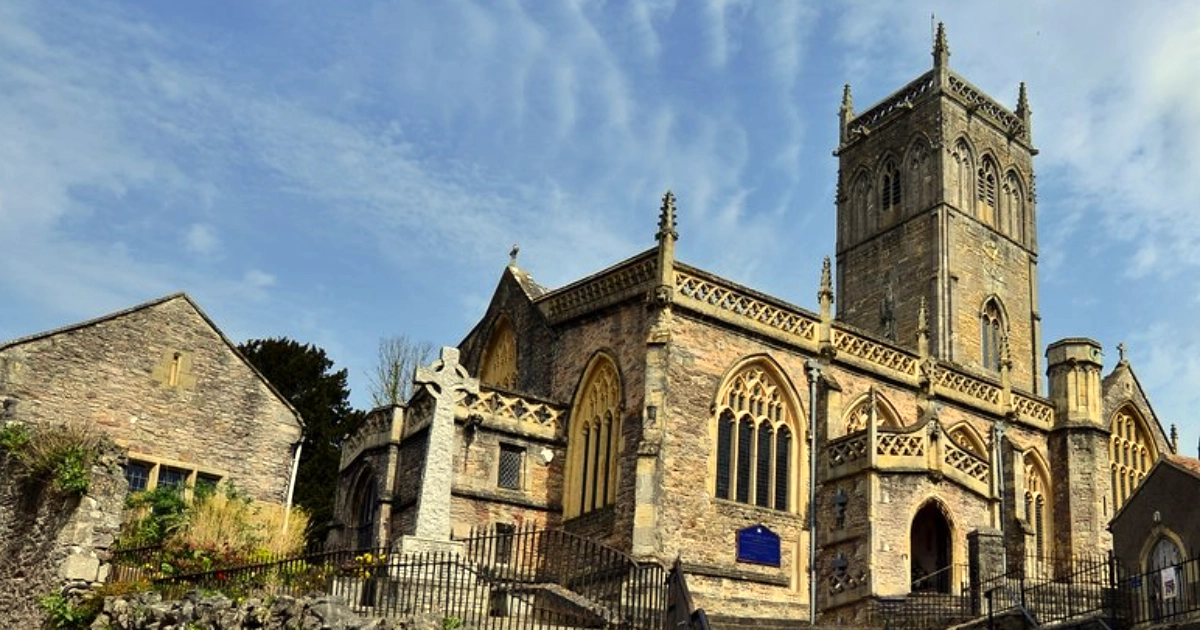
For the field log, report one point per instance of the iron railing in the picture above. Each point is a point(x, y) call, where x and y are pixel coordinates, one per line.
point(1049, 590)
point(505, 578)
point(934, 601)
point(1171, 594)
point(681, 612)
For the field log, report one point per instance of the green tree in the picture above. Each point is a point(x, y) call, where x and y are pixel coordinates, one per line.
point(305, 376)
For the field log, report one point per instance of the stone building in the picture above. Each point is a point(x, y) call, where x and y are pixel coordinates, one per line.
point(163, 381)
point(1159, 526)
point(665, 410)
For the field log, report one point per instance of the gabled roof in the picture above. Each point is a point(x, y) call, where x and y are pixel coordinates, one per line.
point(148, 305)
point(1187, 465)
point(1123, 368)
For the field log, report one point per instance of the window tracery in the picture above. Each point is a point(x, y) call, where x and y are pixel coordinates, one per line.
point(861, 202)
point(1014, 201)
point(755, 455)
point(595, 439)
point(889, 186)
point(985, 190)
point(1037, 510)
point(991, 333)
point(1131, 454)
point(966, 439)
point(919, 180)
point(860, 414)
point(500, 358)
point(964, 164)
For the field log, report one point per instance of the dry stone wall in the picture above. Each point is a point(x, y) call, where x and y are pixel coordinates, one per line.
point(50, 542)
point(148, 611)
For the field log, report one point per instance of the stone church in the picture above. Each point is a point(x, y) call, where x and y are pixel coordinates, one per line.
point(665, 410)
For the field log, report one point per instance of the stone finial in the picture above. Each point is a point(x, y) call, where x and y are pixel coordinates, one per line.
point(1023, 102)
point(666, 218)
point(1024, 112)
point(1174, 438)
point(825, 298)
point(845, 113)
point(941, 49)
point(512, 255)
point(1121, 360)
point(1005, 352)
point(826, 290)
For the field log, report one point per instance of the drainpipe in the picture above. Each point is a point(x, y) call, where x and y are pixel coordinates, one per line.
point(813, 368)
point(287, 508)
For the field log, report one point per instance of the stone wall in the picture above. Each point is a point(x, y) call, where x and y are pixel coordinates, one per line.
point(49, 541)
point(163, 382)
point(148, 611)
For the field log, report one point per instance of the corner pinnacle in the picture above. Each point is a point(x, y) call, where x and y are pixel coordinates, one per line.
point(666, 218)
point(826, 289)
point(941, 49)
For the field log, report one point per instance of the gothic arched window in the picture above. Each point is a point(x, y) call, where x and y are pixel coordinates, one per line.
point(964, 166)
point(1131, 453)
point(364, 509)
point(1014, 202)
point(860, 415)
point(500, 358)
point(755, 452)
point(1037, 508)
point(595, 439)
point(966, 438)
point(985, 191)
point(991, 333)
point(860, 192)
point(919, 180)
point(889, 186)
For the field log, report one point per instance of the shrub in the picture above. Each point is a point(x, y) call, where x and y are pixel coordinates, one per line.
point(215, 529)
point(13, 437)
point(153, 516)
point(62, 453)
point(62, 613)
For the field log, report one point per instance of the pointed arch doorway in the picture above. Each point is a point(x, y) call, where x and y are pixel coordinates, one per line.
point(930, 554)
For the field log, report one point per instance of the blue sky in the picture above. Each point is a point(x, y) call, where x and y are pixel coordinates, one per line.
point(340, 172)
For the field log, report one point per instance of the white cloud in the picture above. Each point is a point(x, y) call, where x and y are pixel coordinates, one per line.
point(201, 239)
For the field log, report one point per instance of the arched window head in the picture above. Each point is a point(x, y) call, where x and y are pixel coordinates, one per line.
point(1131, 453)
point(985, 187)
point(364, 507)
point(889, 186)
point(964, 165)
point(862, 412)
point(992, 331)
point(500, 358)
point(1037, 503)
point(756, 450)
point(595, 439)
point(968, 440)
point(1014, 200)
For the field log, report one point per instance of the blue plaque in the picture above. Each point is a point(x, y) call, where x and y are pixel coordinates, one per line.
point(758, 545)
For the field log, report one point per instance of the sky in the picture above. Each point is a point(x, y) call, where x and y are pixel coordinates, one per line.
point(341, 172)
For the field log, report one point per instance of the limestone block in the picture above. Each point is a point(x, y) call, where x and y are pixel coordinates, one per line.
point(80, 567)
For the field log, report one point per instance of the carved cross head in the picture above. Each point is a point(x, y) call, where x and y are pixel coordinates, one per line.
point(447, 377)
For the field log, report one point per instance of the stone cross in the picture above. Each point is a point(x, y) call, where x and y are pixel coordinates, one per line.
point(447, 382)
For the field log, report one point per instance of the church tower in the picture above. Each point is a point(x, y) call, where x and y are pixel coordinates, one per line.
point(935, 202)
